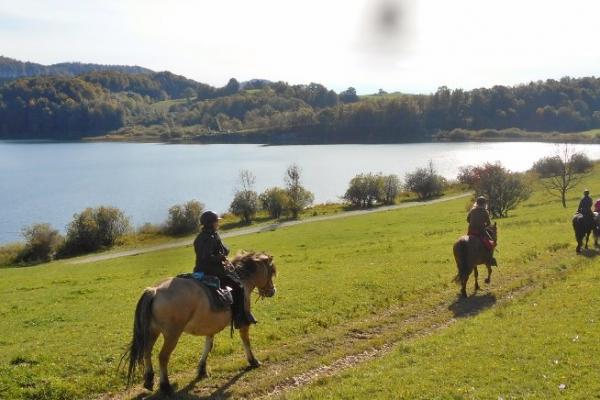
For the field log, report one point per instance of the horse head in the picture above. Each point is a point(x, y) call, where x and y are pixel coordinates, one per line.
point(258, 269)
point(493, 232)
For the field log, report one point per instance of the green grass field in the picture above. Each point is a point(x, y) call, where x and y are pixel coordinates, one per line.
point(379, 281)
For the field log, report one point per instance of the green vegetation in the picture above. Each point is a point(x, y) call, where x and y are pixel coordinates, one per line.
point(344, 287)
point(516, 134)
point(13, 69)
point(115, 104)
point(542, 345)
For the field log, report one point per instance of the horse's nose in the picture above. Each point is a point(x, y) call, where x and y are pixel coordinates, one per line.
point(272, 292)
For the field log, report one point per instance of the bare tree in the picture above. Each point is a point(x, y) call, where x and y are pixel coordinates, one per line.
point(566, 174)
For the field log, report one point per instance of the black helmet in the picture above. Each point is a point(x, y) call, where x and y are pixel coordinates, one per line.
point(208, 218)
point(481, 200)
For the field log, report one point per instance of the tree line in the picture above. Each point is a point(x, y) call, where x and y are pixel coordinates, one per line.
point(104, 101)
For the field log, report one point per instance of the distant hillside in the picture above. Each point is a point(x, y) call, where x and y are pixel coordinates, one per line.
point(13, 69)
point(162, 106)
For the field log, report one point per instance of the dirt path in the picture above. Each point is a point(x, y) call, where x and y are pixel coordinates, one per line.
point(258, 229)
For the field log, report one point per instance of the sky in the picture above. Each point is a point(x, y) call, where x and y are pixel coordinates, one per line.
point(412, 46)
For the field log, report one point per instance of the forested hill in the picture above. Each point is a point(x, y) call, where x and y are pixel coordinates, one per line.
point(167, 107)
point(13, 69)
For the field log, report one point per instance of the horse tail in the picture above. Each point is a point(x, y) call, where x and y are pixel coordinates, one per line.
point(140, 341)
point(460, 254)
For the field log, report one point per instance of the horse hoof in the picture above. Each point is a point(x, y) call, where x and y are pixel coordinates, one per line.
point(166, 388)
point(488, 280)
point(202, 373)
point(254, 363)
point(149, 382)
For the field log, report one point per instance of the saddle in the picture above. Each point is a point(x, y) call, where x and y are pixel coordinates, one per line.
point(485, 239)
point(219, 298)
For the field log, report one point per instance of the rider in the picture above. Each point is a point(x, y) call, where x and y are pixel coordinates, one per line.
point(585, 205)
point(479, 219)
point(211, 258)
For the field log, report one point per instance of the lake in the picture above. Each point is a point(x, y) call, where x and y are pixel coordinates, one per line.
point(49, 182)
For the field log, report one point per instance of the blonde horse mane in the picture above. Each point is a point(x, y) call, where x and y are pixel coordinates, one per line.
point(245, 262)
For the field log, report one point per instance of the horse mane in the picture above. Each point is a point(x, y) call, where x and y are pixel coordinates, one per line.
point(245, 262)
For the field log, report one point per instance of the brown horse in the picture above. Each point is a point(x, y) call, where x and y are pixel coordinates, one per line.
point(469, 252)
point(180, 305)
point(583, 226)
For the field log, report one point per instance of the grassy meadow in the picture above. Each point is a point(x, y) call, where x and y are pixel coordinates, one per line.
point(344, 287)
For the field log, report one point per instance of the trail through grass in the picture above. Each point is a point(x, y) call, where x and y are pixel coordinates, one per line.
point(344, 286)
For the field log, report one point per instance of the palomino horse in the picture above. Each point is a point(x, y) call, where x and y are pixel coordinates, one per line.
point(179, 305)
point(583, 227)
point(469, 252)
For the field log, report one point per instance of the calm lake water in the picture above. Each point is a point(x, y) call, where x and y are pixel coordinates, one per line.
point(49, 182)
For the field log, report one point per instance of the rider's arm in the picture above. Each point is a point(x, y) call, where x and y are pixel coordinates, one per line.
point(210, 259)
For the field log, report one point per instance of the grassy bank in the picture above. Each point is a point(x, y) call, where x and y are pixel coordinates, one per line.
point(344, 286)
point(153, 234)
point(516, 135)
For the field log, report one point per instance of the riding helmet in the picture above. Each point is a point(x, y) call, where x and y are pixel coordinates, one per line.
point(481, 200)
point(586, 192)
point(208, 218)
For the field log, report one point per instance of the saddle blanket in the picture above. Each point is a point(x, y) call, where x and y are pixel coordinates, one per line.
point(219, 298)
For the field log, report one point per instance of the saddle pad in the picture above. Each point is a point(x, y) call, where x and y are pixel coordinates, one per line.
point(219, 298)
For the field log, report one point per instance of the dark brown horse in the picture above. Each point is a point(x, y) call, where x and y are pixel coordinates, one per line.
point(469, 252)
point(179, 305)
point(583, 226)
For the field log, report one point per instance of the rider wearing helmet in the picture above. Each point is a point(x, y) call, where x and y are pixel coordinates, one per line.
point(585, 205)
point(479, 219)
point(211, 258)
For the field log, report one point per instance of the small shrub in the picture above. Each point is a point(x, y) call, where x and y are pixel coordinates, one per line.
point(365, 190)
point(184, 218)
point(391, 188)
point(149, 229)
point(93, 229)
point(41, 244)
point(244, 205)
point(275, 201)
point(10, 252)
point(503, 189)
point(425, 182)
point(299, 197)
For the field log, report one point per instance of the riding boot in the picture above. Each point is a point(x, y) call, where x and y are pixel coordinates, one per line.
point(493, 262)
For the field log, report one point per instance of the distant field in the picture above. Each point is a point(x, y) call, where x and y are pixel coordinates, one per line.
point(379, 281)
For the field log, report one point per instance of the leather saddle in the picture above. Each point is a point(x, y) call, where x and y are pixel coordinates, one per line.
point(219, 298)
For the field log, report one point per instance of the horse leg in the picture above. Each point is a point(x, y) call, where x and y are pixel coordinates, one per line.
point(171, 339)
point(587, 239)
point(476, 278)
point(489, 277)
point(245, 335)
point(208, 345)
point(148, 370)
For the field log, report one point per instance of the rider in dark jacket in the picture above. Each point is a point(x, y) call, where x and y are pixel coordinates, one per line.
point(479, 219)
point(585, 205)
point(211, 258)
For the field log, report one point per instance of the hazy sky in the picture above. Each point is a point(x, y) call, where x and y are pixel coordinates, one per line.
point(414, 46)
